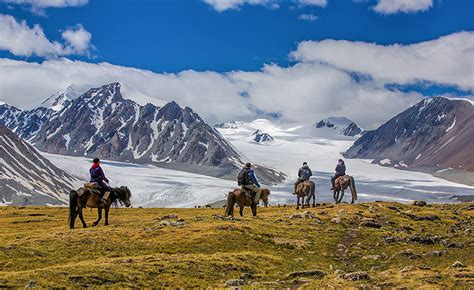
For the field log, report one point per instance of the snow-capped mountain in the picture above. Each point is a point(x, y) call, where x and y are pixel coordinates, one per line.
point(261, 137)
point(62, 98)
point(339, 126)
point(118, 123)
point(436, 132)
point(28, 178)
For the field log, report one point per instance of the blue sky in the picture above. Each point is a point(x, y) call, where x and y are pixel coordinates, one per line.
point(230, 60)
point(171, 36)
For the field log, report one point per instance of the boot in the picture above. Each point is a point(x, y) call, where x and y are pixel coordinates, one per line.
point(105, 197)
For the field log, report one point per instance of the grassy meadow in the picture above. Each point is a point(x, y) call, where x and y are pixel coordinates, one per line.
point(370, 244)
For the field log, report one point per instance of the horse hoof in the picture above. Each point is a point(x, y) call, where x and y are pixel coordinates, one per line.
point(95, 224)
point(84, 226)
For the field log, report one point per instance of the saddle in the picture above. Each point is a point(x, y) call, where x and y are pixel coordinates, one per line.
point(248, 193)
point(94, 188)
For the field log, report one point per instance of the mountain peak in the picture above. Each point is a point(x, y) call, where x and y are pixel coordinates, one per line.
point(340, 125)
point(61, 98)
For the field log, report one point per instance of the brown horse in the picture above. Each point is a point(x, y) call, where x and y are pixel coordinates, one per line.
point(306, 188)
point(341, 184)
point(242, 199)
point(85, 197)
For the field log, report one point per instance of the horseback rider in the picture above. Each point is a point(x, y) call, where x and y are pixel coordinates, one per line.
point(304, 173)
point(248, 180)
point(98, 177)
point(340, 171)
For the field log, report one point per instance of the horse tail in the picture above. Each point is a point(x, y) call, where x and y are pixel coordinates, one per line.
point(312, 188)
point(353, 187)
point(230, 204)
point(72, 207)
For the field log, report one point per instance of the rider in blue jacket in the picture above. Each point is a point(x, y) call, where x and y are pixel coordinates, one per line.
point(98, 176)
point(251, 183)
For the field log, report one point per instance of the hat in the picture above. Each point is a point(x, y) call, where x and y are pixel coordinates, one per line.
point(96, 160)
point(305, 163)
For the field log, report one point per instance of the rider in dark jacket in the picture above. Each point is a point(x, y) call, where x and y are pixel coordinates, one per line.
point(340, 171)
point(98, 176)
point(251, 182)
point(303, 174)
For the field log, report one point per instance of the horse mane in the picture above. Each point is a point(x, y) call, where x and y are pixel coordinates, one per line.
point(120, 193)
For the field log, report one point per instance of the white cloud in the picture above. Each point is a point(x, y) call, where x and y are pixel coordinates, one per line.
point(308, 17)
point(405, 6)
point(222, 5)
point(446, 60)
point(49, 3)
point(305, 92)
point(317, 86)
point(78, 39)
point(38, 6)
point(22, 40)
point(320, 3)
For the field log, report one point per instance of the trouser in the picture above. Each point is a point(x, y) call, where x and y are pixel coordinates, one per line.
point(104, 186)
point(333, 179)
point(299, 181)
point(254, 188)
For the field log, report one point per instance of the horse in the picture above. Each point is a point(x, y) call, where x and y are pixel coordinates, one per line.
point(306, 188)
point(83, 197)
point(341, 184)
point(242, 199)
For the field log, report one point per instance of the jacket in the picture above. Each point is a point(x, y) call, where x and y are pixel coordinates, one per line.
point(305, 172)
point(340, 169)
point(253, 178)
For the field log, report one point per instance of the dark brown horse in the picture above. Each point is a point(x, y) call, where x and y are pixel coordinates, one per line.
point(341, 184)
point(85, 197)
point(306, 188)
point(242, 199)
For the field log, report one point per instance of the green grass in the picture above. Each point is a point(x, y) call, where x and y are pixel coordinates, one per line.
point(135, 251)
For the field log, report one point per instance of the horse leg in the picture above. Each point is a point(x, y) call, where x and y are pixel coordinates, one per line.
point(81, 217)
point(241, 211)
point(107, 216)
point(314, 199)
point(341, 195)
point(73, 220)
point(254, 209)
point(297, 202)
point(99, 212)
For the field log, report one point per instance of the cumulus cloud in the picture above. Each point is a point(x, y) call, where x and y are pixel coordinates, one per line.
point(38, 6)
point(305, 92)
point(320, 84)
point(222, 5)
point(308, 17)
point(446, 60)
point(22, 40)
point(404, 6)
point(320, 3)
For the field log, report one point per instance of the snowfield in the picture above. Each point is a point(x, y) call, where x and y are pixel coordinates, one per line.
point(157, 187)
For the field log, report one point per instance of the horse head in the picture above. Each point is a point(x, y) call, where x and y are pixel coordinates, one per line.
point(124, 195)
point(264, 196)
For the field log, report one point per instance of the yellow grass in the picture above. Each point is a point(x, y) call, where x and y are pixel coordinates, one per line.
point(136, 251)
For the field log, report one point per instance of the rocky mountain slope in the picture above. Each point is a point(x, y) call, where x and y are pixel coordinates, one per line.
point(117, 123)
point(435, 133)
point(339, 125)
point(28, 178)
point(261, 137)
